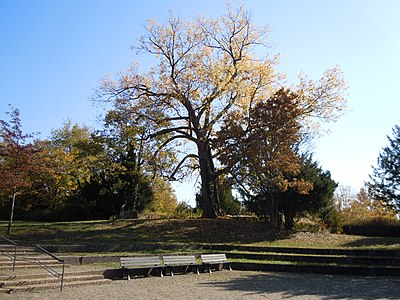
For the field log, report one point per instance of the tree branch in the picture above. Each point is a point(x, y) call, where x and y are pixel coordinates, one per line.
point(171, 177)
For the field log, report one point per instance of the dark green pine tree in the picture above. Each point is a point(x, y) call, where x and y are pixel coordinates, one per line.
point(316, 201)
point(384, 182)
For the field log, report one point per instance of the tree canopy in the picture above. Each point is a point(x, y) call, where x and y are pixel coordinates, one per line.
point(208, 69)
point(16, 159)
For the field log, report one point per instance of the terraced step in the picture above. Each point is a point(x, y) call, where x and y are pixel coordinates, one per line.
point(317, 268)
point(312, 258)
point(33, 282)
point(37, 287)
point(308, 251)
point(20, 249)
point(48, 279)
point(30, 264)
point(40, 275)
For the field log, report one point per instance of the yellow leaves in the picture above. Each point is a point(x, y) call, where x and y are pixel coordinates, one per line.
point(364, 208)
point(323, 100)
point(164, 199)
point(301, 186)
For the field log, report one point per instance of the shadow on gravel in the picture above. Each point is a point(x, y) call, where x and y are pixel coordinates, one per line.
point(312, 285)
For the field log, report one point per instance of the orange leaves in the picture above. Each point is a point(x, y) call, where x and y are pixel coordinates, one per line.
point(260, 146)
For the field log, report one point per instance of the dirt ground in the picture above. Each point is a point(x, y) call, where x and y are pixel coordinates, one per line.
point(231, 285)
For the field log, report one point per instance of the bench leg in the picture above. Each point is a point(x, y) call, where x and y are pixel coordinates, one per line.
point(168, 269)
point(127, 274)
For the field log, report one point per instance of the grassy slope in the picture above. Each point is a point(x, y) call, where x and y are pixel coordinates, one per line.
point(234, 231)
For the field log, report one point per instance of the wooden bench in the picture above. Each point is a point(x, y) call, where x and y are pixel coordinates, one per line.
point(141, 262)
point(187, 261)
point(208, 260)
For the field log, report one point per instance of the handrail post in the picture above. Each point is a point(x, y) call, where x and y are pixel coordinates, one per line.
point(15, 256)
point(15, 250)
point(54, 271)
point(62, 276)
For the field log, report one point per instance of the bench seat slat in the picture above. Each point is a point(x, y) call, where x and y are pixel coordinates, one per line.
point(172, 261)
point(179, 260)
point(214, 259)
point(139, 262)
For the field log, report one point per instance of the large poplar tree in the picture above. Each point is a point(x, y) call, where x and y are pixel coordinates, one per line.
point(207, 68)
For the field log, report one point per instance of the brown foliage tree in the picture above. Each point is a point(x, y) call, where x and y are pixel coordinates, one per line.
point(259, 150)
point(16, 159)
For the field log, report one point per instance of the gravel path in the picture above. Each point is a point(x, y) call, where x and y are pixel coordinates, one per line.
point(232, 285)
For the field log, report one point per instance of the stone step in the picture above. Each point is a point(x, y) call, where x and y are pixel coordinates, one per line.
point(40, 275)
point(307, 251)
point(49, 280)
point(29, 265)
point(313, 258)
point(22, 250)
point(37, 287)
point(22, 259)
point(317, 268)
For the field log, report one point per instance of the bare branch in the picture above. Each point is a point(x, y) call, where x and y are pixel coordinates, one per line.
point(181, 163)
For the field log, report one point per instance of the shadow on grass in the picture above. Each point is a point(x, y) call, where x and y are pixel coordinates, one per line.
point(312, 285)
point(189, 231)
point(375, 242)
point(147, 231)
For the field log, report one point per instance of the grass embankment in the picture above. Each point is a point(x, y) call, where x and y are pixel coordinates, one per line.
point(193, 231)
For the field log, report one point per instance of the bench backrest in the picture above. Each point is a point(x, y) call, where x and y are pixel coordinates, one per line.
point(140, 261)
point(179, 260)
point(213, 258)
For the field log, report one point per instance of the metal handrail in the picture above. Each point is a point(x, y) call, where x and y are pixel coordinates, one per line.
point(13, 257)
point(49, 269)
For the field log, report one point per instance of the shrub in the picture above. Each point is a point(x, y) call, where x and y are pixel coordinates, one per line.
point(374, 227)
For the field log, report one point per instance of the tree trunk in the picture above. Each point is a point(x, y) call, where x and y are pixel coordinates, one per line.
point(289, 220)
point(209, 202)
point(273, 211)
point(9, 230)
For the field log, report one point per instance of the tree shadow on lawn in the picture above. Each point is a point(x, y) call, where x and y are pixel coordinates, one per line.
point(151, 231)
point(60, 237)
point(210, 231)
point(317, 285)
point(375, 242)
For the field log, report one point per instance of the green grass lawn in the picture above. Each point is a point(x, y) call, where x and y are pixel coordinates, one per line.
point(229, 231)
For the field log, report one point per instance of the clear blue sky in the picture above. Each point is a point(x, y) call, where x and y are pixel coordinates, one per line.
point(53, 54)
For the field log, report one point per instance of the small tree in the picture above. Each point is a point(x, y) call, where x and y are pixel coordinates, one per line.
point(319, 197)
point(164, 199)
point(229, 204)
point(259, 152)
point(16, 159)
point(363, 208)
point(384, 182)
